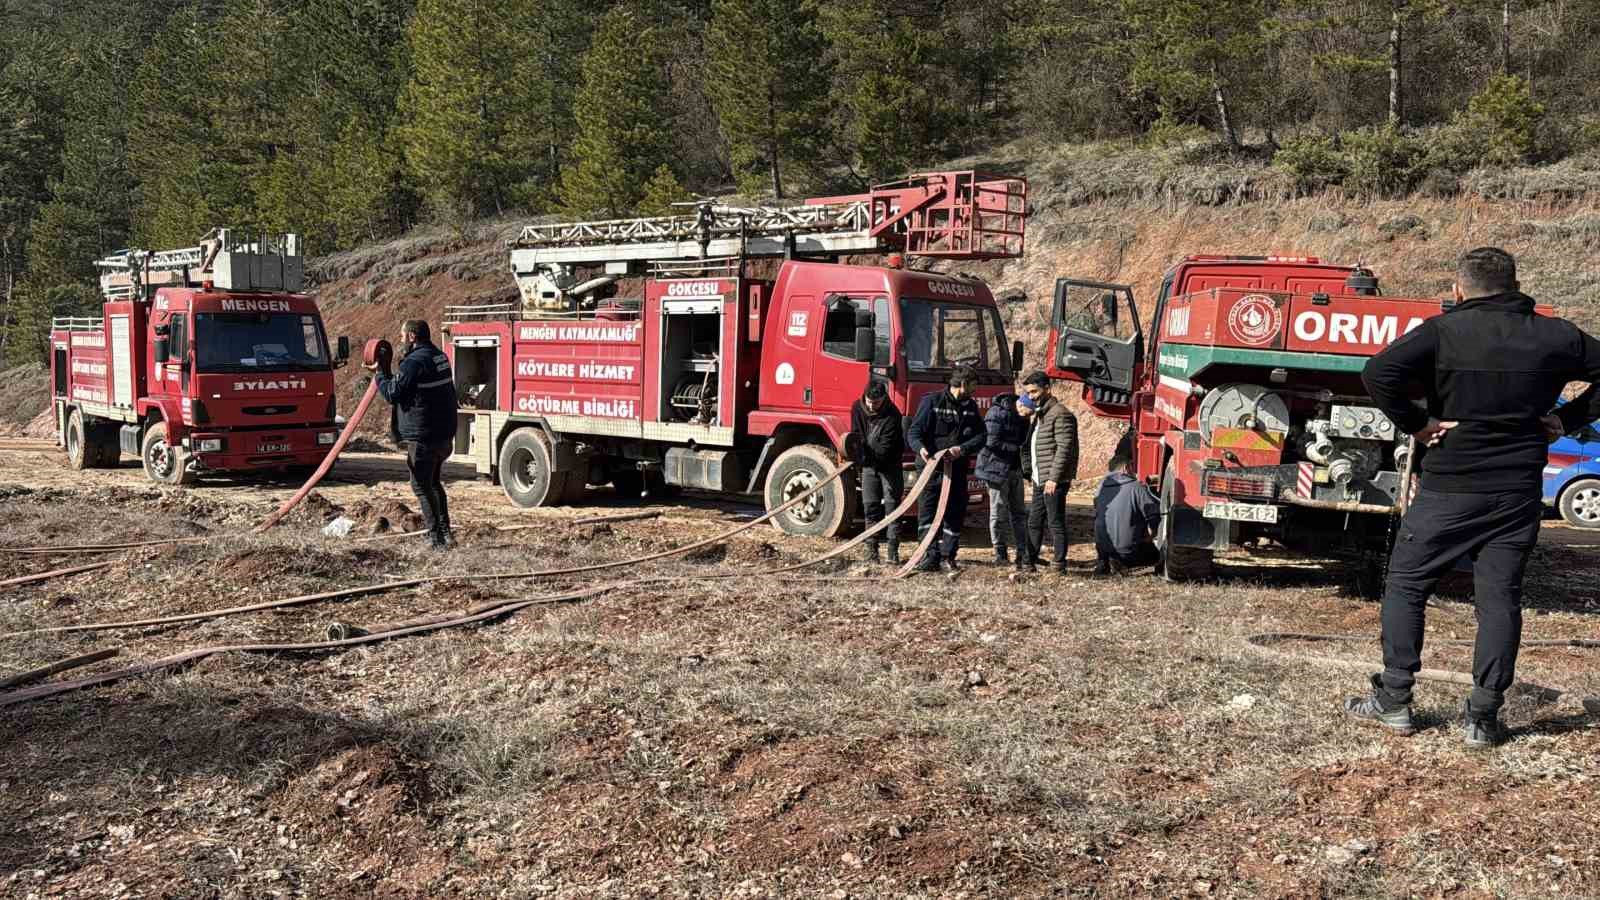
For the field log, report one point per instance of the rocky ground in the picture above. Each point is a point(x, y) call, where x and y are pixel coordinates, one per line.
point(779, 736)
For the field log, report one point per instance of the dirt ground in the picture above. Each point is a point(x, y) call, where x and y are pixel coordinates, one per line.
point(807, 736)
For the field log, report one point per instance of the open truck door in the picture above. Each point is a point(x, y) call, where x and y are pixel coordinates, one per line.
point(1095, 338)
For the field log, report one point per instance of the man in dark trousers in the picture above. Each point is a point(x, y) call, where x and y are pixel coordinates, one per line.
point(947, 420)
point(880, 449)
point(1000, 469)
point(424, 420)
point(1126, 515)
point(1489, 370)
point(1052, 463)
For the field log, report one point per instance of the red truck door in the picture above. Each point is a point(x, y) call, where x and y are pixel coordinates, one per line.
point(838, 377)
point(1096, 339)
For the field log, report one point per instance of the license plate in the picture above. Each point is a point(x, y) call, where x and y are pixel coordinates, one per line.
point(1242, 512)
point(272, 448)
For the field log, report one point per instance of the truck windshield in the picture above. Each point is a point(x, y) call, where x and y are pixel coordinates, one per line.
point(942, 335)
point(258, 342)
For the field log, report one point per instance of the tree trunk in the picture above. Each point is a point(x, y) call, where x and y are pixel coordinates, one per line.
point(1505, 38)
point(1396, 108)
point(772, 142)
point(11, 283)
point(1229, 133)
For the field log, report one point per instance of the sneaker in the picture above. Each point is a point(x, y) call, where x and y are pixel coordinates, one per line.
point(1482, 732)
point(1369, 708)
point(1001, 557)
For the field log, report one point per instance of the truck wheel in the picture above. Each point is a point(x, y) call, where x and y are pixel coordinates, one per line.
point(1178, 563)
point(164, 463)
point(78, 454)
point(526, 474)
point(1580, 503)
point(628, 482)
point(828, 512)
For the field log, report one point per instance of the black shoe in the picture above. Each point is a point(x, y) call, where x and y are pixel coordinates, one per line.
point(929, 563)
point(438, 544)
point(1102, 568)
point(870, 554)
point(1370, 708)
point(1482, 732)
point(894, 555)
point(952, 569)
point(1001, 557)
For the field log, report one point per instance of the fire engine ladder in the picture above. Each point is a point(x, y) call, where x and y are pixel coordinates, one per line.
point(224, 257)
point(959, 215)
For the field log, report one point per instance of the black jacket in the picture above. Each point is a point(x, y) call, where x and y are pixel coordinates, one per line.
point(943, 422)
point(1002, 449)
point(1495, 366)
point(1126, 515)
point(880, 437)
point(424, 396)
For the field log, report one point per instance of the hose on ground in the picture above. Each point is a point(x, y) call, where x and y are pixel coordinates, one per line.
point(1263, 645)
point(327, 461)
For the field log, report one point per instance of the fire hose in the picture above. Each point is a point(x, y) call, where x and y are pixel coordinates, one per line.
point(1262, 645)
point(341, 636)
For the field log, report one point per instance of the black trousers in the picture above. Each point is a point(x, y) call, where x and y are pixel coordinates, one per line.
point(1495, 531)
point(955, 511)
point(1143, 555)
point(426, 462)
point(1051, 508)
point(881, 490)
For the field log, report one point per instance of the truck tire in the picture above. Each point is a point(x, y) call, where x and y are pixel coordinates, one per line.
point(827, 513)
point(526, 471)
point(1580, 503)
point(163, 463)
point(1178, 563)
point(79, 455)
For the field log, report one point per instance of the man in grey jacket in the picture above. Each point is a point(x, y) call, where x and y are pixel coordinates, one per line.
point(1126, 515)
point(1050, 463)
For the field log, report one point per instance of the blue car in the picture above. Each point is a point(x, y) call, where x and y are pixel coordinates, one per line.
point(1572, 478)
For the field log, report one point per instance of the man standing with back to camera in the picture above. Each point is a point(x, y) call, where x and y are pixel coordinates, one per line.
point(424, 421)
point(1490, 369)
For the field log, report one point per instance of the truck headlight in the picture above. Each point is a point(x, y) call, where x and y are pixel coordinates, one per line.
point(209, 445)
point(326, 438)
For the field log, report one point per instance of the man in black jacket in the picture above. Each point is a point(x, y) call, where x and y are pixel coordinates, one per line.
point(424, 398)
point(1490, 369)
point(880, 449)
point(947, 420)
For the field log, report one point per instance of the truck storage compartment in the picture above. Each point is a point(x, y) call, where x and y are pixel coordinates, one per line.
point(711, 470)
point(477, 374)
point(691, 338)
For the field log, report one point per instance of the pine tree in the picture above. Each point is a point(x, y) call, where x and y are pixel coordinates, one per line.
point(471, 124)
point(769, 82)
point(624, 127)
point(661, 192)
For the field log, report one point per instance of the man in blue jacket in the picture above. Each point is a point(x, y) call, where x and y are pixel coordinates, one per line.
point(1000, 468)
point(947, 420)
point(423, 395)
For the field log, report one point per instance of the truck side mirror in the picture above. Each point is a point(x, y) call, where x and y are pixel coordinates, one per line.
point(866, 344)
point(342, 355)
point(163, 350)
point(1016, 357)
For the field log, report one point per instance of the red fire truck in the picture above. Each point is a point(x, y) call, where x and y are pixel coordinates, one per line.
point(716, 379)
point(206, 359)
point(1245, 406)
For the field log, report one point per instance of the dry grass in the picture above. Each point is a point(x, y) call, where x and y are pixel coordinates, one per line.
point(914, 739)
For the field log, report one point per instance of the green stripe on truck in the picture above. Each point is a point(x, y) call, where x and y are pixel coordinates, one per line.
point(1188, 360)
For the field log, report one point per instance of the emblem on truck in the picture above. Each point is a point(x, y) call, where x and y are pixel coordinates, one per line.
point(1255, 319)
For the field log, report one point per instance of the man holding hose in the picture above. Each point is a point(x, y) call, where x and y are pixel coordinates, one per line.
point(1489, 370)
point(423, 395)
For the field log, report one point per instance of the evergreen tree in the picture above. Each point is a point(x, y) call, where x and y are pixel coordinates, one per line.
point(624, 125)
point(471, 124)
point(661, 192)
point(769, 83)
